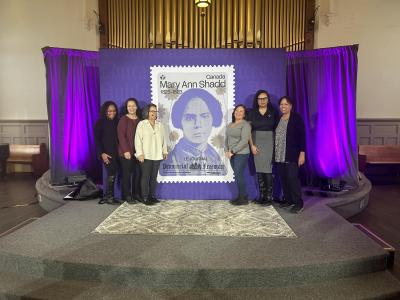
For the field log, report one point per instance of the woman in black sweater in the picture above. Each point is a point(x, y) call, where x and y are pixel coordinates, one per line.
point(106, 140)
point(290, 145)
point(263, 119)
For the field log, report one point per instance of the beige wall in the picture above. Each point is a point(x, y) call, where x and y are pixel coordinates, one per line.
point(25, 27)
point(28, 25)
point(375, 26)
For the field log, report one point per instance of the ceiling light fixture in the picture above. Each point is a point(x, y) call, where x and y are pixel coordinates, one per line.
point(202, 3)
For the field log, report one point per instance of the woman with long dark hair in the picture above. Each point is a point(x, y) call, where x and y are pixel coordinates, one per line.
point(106, 140)
point(290, 143)
point(126, 138)
point(237, 150)
point(263, 119)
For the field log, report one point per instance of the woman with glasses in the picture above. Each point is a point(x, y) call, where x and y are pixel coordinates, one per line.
point(263, 119)
point(290, 143)
point(126, 137)
point(151, 149)
point(106, 141)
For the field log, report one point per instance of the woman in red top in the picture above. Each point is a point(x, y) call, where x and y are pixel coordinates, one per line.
point(126, 137)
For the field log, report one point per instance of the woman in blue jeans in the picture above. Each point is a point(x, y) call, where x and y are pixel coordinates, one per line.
point(237, 150)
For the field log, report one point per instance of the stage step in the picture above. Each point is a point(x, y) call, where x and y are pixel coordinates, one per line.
point(61, 246)
point(377, 285)
point(328, 258)
point(189, 277)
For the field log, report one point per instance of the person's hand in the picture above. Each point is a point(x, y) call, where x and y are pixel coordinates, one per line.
point(254, 150)
point(302, 158)
point(105, 157)
point(141, 158)
point(228, 154)
point(165, 155)
point(127, 155)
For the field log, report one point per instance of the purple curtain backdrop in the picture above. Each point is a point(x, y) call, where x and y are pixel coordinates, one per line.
point(73, 100)
point(322, 84)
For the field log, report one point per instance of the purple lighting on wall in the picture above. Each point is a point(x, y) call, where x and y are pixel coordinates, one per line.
point(73, 104)
point(323, 85)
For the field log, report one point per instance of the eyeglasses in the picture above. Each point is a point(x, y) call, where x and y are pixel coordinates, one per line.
point(111, 111)
point(263, 98)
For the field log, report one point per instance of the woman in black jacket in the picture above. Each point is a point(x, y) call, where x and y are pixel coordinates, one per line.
point(290, 154)
point(106, 140)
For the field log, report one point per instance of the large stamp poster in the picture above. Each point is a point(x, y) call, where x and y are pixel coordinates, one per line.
point(195, 104)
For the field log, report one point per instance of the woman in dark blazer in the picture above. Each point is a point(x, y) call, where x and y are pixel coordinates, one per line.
point(106, 140)
point(290, 154)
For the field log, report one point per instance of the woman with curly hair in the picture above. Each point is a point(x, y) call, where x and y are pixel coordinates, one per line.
point(106, 140)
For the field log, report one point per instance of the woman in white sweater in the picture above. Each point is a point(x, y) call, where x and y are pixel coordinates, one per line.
point(151, 148)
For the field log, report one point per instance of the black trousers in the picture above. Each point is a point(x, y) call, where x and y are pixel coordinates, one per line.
point(130, 177)
point(290, 181)
point(112, 167)
point(148, 181)
point(111, 171)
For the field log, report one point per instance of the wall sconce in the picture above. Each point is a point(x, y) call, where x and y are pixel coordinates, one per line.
point(311, 21)
point(202, 3)
point(100, 26)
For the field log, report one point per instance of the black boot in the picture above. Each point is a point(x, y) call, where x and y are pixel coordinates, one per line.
point(109, 197)
point(232, 201)
point(269, 184)
point(131, 200)
point(261, 188)
point(154, 199)
point(135, 195)
point(138, 198)
point(242, 200)
point(147, 201)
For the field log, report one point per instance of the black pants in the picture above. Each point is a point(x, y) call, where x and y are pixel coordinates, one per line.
point(130, 177)
point(290, 181)
point(111, 171)
point(112, 167)
point(148, 181)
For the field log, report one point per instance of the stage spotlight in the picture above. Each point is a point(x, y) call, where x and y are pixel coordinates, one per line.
point(332, 185)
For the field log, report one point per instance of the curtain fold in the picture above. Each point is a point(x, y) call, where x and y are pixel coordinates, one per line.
point(322, 84)
point(73, 101)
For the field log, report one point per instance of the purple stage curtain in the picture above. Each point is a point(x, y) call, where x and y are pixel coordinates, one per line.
point(73, 101)
point(322, 84)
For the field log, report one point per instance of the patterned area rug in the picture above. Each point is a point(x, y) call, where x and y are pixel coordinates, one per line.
point(206, 217)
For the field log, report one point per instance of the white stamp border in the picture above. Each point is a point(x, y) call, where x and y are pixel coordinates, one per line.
point(230, 93)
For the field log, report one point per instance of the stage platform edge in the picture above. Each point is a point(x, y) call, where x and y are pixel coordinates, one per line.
point(329, 257)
